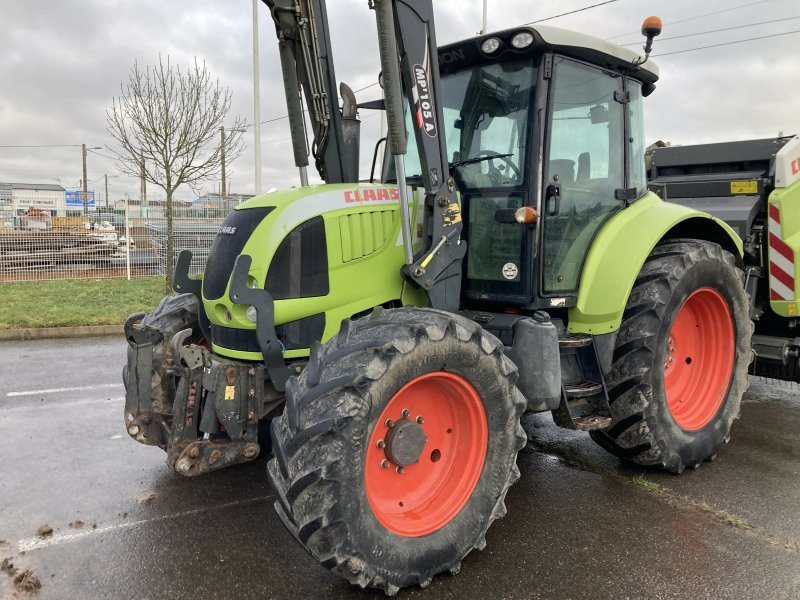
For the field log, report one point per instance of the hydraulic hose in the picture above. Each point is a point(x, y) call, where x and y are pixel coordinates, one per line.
point(390, 65)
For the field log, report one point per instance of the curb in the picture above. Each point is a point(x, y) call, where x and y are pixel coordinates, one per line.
point(45, 333)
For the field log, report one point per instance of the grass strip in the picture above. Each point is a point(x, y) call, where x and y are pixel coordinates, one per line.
point(72, 302)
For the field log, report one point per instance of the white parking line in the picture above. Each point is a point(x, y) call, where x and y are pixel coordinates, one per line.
point(62, 404)
point(65, 389)
point(37, 543)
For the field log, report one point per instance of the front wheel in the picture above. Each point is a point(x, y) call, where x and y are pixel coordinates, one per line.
point(397, 446)
point(680, 361)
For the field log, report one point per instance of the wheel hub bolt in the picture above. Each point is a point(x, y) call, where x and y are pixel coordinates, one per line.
point(420, 420)
point(381, 444)
point(385, 463)
point(400, 470)
point(389, 423)
point(405, 412)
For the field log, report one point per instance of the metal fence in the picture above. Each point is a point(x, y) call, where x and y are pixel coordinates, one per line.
point(103, 245)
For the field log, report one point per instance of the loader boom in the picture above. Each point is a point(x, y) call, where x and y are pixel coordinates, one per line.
point(407, 27)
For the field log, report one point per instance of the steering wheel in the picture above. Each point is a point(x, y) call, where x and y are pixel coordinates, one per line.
point(491, 155)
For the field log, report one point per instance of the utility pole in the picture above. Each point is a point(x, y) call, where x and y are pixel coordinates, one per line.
point(222, 156)
point(106, 176)
point(256, 98)
point(485, 11)
point(85, 197)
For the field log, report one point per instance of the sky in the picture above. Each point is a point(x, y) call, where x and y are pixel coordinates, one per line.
point(62, 65)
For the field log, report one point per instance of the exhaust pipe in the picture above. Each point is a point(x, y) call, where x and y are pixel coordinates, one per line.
point(351, 134)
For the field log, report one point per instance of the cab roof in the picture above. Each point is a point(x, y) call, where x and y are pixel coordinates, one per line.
point(552, 39)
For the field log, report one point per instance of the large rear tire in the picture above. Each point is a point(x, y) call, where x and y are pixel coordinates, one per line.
point(397, 447)
point(681, 356)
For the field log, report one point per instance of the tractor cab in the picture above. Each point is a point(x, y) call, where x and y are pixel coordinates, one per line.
point(532, 120)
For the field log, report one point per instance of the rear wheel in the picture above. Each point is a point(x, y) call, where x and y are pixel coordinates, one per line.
point(680, 362)
point(397, 447)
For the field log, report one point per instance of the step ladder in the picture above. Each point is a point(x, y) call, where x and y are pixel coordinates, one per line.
point(584, 398)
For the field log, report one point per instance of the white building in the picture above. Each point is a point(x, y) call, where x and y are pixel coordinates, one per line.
point(44, 196)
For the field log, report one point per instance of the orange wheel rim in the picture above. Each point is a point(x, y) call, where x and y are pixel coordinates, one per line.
point(422, 497)
point(699, 359)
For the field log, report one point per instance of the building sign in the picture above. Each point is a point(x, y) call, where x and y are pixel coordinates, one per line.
point(76, 199)
point(36, 202)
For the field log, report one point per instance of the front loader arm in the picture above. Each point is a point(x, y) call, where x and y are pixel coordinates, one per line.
point(409, 59)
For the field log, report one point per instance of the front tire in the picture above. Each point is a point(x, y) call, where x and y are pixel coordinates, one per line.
point(680, 361)
point(378, 508)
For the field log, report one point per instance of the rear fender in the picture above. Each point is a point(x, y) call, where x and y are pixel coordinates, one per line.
point(620, 250)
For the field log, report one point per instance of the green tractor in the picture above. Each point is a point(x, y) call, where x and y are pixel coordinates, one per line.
point(391, 333)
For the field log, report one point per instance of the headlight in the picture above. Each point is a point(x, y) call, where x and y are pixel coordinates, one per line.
point(490, 45)
point(252, 313)
point(522, 40)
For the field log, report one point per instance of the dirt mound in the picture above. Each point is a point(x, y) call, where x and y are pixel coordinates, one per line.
point(8, 567)
point(27, 582)
point(44, 531)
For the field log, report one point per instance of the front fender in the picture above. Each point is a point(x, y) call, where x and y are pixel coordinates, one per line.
point(620, 250)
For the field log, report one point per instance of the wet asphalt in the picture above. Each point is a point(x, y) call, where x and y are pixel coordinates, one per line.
point(580, 523)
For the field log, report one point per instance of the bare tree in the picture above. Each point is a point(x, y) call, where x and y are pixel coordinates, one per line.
point(166, 123)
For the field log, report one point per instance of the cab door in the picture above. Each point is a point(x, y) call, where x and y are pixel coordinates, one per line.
point(583, 170)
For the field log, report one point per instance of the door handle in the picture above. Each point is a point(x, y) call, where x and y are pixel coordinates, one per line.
point(553, 199)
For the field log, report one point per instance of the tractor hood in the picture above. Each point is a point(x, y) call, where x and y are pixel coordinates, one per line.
point(324, 253)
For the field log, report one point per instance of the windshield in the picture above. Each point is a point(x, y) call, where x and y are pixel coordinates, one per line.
point(486, 123)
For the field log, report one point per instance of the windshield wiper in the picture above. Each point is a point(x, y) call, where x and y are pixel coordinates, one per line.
point(477, 159)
